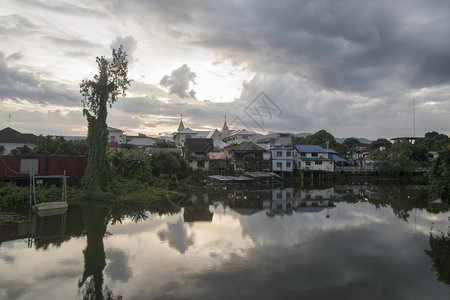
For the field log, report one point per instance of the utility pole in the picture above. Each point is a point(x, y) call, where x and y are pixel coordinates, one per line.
point(9, 116)
point(414, 118)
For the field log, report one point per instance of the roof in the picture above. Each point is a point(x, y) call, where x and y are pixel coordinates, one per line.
point(114, 129)
point(240, 132)
point(187, 130)
point(220, 144)
point(9, 135)
point(202, 133)
point(180, 126)
point(147, 141)
point(248, 147)
point(212, 133)
point(313, 149)
point(337, 158)
point(199, 145)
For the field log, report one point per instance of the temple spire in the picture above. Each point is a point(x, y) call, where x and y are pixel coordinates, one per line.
point(181, 126)
point(225, 128)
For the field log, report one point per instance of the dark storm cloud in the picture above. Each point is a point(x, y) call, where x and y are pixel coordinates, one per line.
point(178, 82)
point(16, 84)
point(354, 46)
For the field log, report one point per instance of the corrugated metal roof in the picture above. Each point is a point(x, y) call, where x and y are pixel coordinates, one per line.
point(313, 149)
point(247, 146)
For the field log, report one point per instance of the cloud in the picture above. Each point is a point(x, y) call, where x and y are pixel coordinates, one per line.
point(349, 67)
point(16, 85)
point(129, 44)
point(178, 82)
point(118, 267)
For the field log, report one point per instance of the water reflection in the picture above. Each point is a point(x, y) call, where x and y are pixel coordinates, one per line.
point(96, 218)
point(439, 253)
point(314, 242)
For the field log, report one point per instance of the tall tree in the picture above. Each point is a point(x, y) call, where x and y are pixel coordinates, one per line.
point(103, 90)
point(352, 142)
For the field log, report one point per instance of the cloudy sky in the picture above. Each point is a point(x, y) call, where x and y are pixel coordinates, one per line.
point(350, 67)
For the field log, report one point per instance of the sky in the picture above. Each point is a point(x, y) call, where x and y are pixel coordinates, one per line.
point(373, 69)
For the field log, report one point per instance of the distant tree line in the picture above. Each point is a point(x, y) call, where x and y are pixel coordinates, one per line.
point(58, 145)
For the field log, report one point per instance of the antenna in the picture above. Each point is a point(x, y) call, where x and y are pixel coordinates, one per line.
point(414, 119)
point(9, 116)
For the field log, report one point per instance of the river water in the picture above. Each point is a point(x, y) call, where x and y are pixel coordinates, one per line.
point(353, 241)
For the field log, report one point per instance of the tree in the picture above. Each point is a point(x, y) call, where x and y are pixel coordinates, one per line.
point(168, 163)
point(434, 140)
point(439, 175)
point(440, 255)
point(164, 144)
point(2, 149)
point(99, 92)
point(15, 152)
point(352, 142)
point(321, 138)
point(57, 145)
point(381, 142)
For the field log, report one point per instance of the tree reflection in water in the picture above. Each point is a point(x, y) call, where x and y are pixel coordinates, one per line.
point(440, 255)
point(96, 217)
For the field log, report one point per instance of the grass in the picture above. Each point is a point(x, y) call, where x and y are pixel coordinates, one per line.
point(14, 197)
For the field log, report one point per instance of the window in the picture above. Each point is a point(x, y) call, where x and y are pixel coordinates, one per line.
point(308, 163)
point(314, 154)
point(288, 165)
point(303, 154)
point(279, 153)
point(288, 153)
point(279, 165)
point(113, 138)
point(200, 164)
point(317, 162)
point(245, 137)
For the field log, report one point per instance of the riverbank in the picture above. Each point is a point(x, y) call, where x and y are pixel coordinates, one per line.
point(15, 198)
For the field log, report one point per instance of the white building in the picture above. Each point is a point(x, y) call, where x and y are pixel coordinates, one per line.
point(314, 158)
point(116, 136)
point(282, 158)
point(282, 202)
point(182, 133)
point(239, 136)
point(12, 139)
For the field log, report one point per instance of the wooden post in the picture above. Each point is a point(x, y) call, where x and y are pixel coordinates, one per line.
point(31, 184)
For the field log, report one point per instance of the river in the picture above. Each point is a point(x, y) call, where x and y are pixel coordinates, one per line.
point(352, 241)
